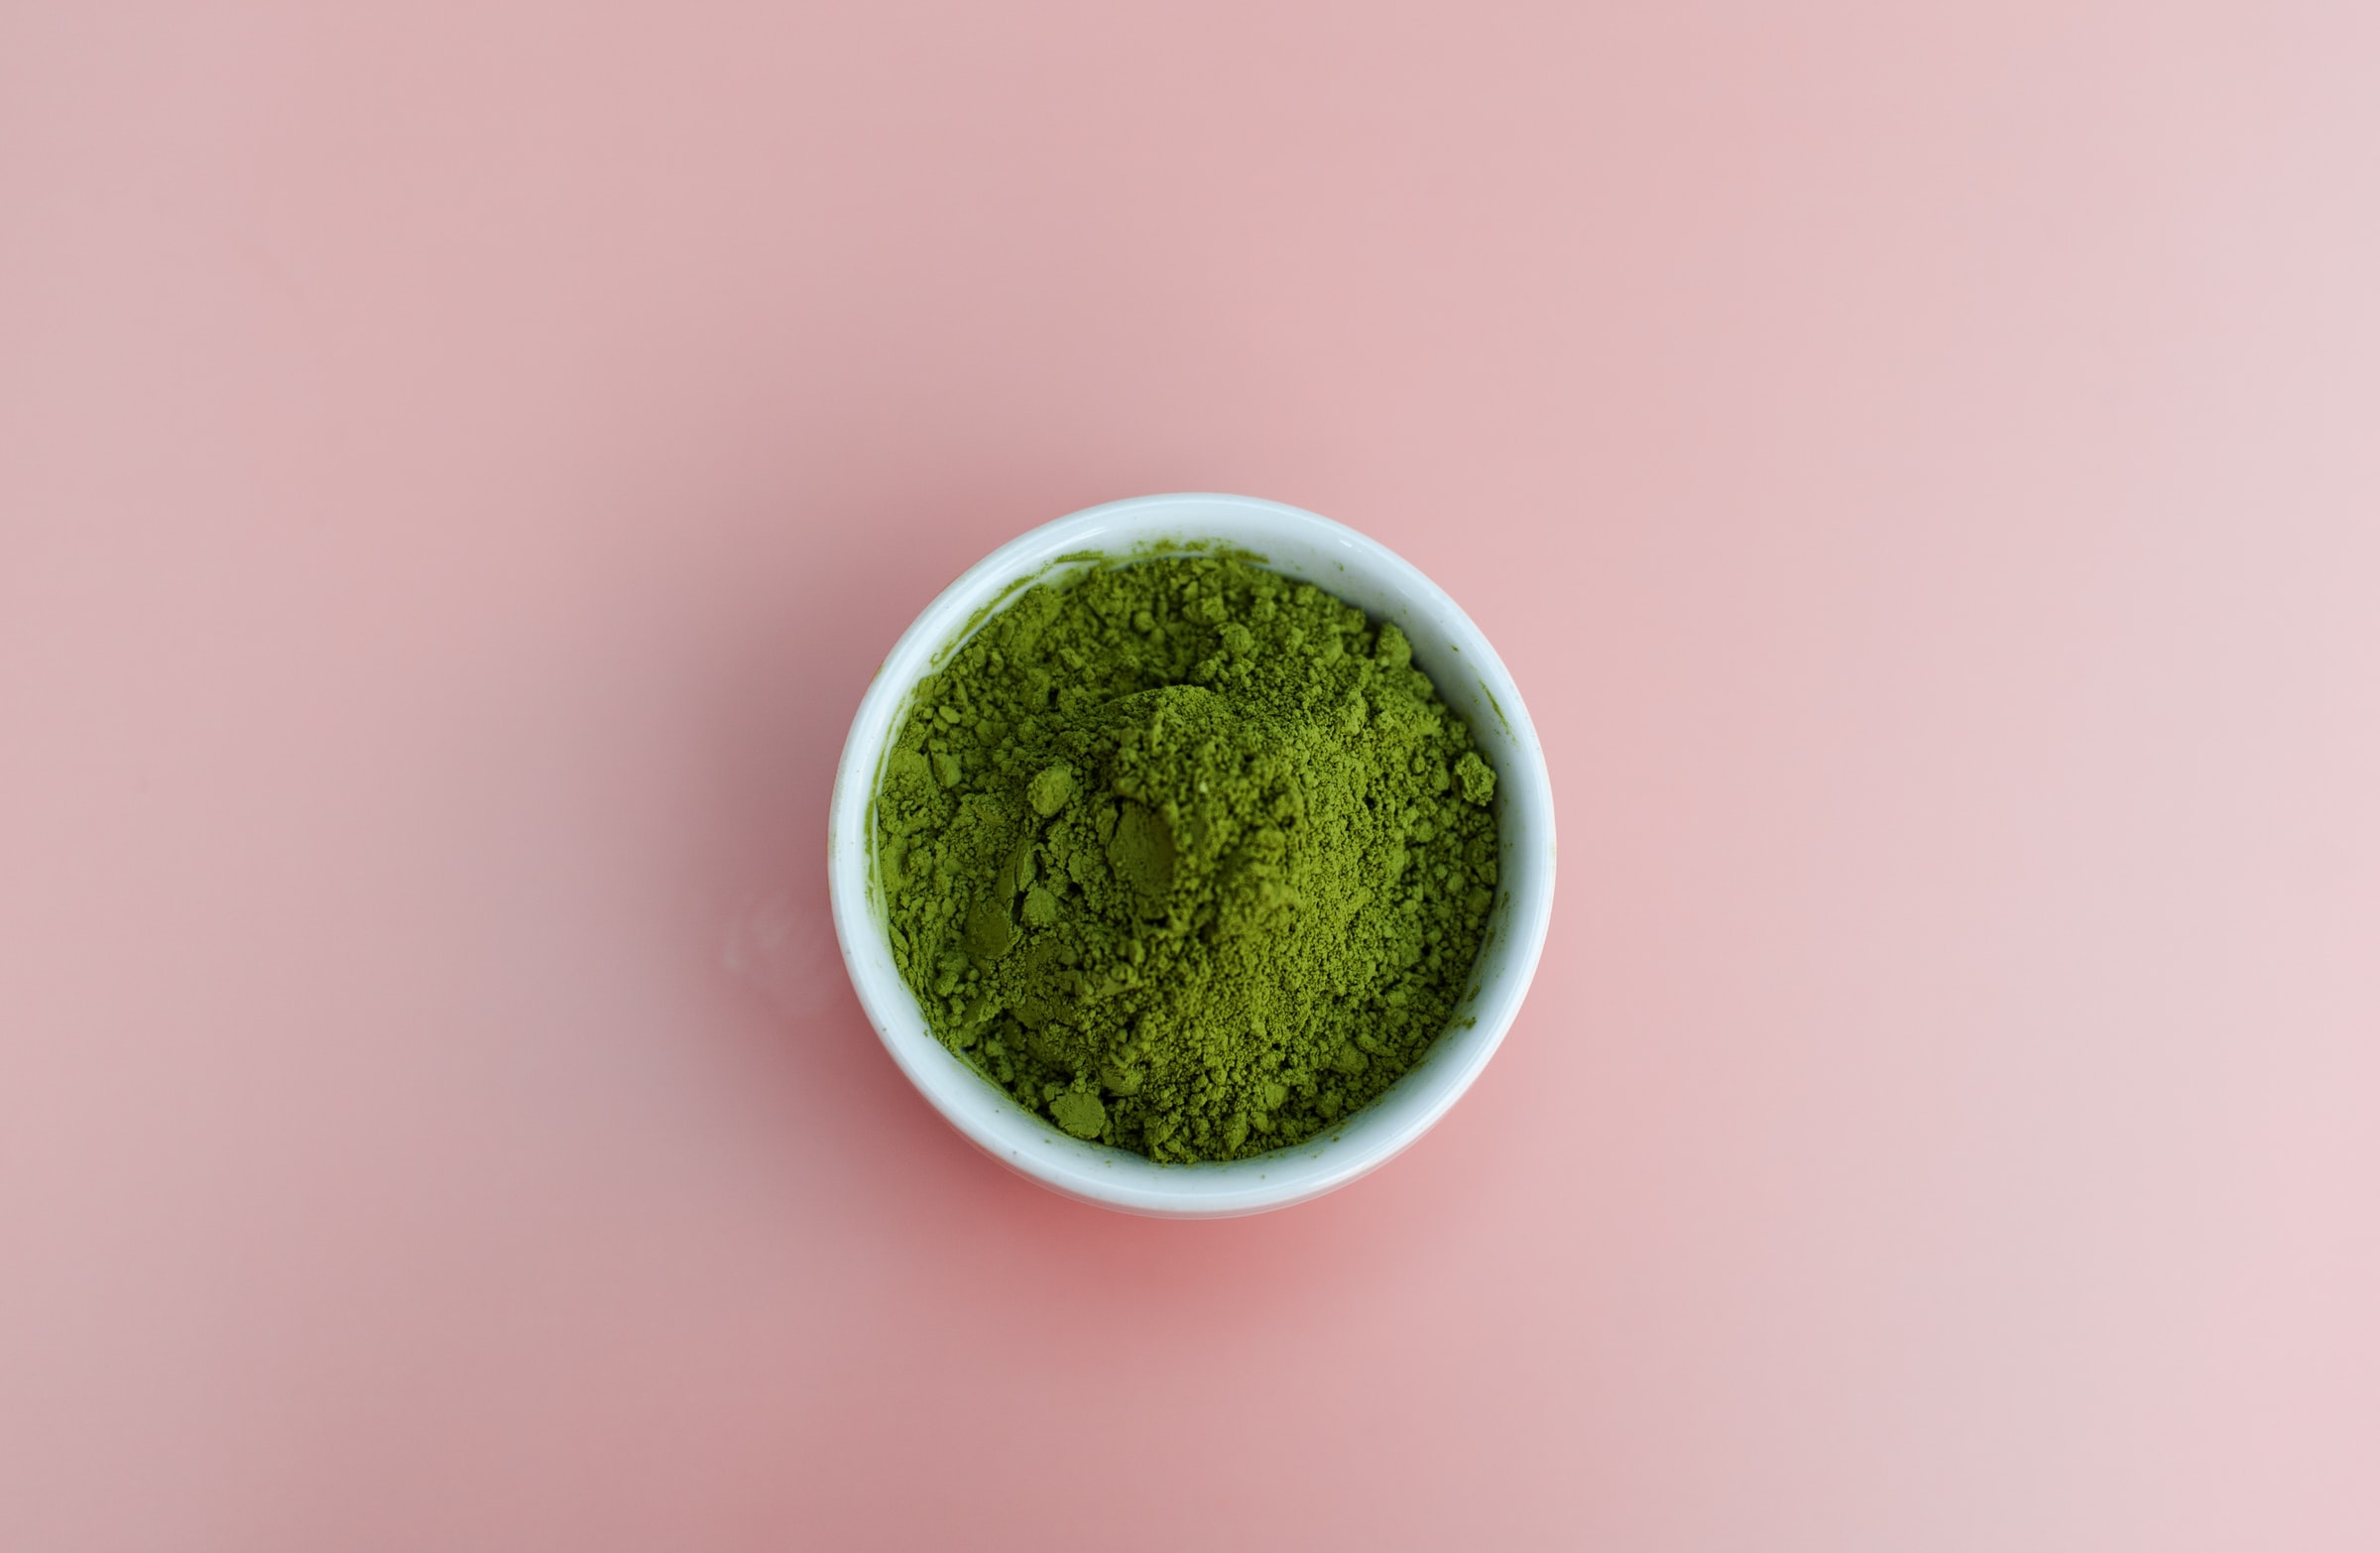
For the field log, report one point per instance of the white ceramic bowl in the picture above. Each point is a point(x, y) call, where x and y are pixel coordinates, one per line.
point(1470, 679)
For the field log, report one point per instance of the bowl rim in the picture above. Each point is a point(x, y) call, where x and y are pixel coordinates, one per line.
point(988, 1116)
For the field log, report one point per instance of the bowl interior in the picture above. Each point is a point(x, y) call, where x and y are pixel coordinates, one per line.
point(1470, 679)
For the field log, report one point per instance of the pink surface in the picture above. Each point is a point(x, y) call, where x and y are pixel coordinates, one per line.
point(461, 464)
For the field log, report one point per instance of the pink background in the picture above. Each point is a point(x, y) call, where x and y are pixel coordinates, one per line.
point(459, 464)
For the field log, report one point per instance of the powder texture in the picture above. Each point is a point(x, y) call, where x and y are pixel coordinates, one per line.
point(1185, 856)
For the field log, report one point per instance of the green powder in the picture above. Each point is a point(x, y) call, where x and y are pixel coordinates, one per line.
point(1185, 856)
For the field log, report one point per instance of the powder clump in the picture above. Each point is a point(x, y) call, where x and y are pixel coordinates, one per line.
point(1185, 856)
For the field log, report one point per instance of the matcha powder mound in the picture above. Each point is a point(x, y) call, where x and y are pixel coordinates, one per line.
point(1185, 856)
